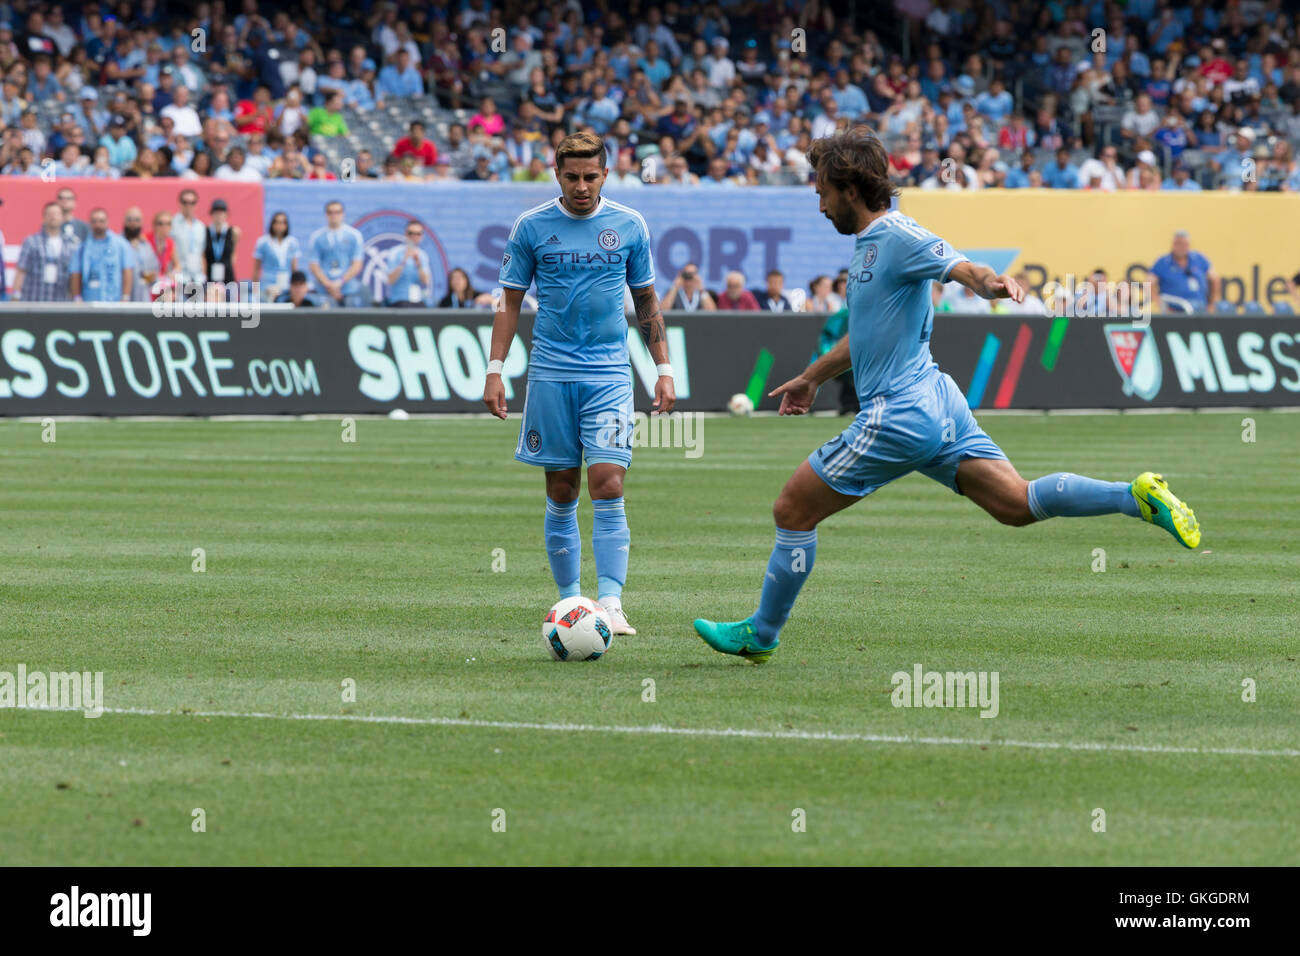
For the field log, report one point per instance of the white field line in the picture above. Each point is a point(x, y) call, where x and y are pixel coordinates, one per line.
point(661, 730)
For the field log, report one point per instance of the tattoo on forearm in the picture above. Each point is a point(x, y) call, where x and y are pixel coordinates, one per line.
point(649, 318)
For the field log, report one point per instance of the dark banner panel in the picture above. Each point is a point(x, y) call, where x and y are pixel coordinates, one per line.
point(87, 362)
point(1006, 361)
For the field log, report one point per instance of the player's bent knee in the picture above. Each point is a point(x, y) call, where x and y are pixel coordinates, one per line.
point(791, 514)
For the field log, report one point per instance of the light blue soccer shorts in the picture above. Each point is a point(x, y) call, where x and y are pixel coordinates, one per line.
point(927, 427)
point(567, 421)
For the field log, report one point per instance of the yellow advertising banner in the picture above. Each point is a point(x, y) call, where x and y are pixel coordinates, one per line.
point(1251, 239)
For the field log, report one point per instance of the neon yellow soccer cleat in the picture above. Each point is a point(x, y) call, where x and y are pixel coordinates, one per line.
point(1160, 506)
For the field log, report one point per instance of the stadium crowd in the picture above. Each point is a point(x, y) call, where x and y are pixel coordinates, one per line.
point(966, 94)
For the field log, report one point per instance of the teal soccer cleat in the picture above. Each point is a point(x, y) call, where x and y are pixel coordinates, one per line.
point(736, 637)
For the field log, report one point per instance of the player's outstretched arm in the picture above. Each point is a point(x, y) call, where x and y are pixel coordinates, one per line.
point(504, 326)
point(798, 394)
point(650, 320)
point(984, 282)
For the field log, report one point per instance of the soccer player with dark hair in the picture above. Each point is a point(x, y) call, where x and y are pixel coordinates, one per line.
point(913, 418)
point(581, 249)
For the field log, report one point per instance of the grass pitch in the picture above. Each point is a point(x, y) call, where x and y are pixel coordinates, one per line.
point(374, 561)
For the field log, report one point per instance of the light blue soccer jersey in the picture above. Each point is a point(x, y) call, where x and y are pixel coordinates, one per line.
point(890, 309)
point(100, 262)
point(277, 259)
point(407, 288)
point(334, 250)
point(580, 265)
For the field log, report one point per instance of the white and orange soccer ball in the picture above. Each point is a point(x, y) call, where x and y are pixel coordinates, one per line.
point(740, 405)
point(577, 629)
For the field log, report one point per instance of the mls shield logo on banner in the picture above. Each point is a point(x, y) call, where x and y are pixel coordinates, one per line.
point(1136, 359)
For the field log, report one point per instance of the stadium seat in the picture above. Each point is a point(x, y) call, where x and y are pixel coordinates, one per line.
point(1225, 307)
point(1253, 308)
point(1283, 308)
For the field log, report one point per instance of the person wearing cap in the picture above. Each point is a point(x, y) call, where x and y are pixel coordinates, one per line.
point(1238, 162)
point(297, 293)
point(1146, 174)
point(1185, 273)
point(220, 242)
point(102, 267)
point(721, 69)
point(121, 147)
point(1181, 179)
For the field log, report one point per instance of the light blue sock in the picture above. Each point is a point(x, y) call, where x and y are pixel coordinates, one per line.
point(610, 540)
point(1064, 495)
point(787, 569)
point(563, 546)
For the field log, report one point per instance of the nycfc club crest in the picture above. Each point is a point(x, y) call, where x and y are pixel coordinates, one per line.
point(608, 240)
point(383, 231)
point(534, 440)
point(1136, 359)
point(869, 255)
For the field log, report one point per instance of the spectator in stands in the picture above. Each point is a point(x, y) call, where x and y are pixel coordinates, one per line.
point(415, 144)
point(328, 120)
point(735, 297)
point(409, 278)
point(291, 163)
point(482, 170)
point(75, 231)
point(296, 295)
point(257, 158)
point(320, 168)
point(335, 255)
point(44, 261)
point(144, 265)
point(1181, 179)
point(399, 78)
point(101, 268)
point(625, 172)
point(183, 115)
point(121, 147)
point(1105, 168)
point(42, 86)
point(460, 151)
point(236, 168)
point(688, 293)
point(291, 116)
point(536, 172)
point(1145, 175)
point(33, 138)
point(365, 167)
point(276, 255)
point(1062, 174)
point(12, 104)
point(773, 298)
point(1185, 274)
